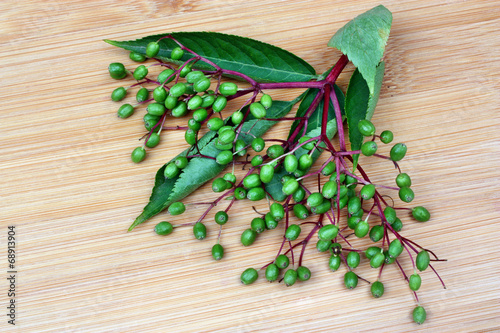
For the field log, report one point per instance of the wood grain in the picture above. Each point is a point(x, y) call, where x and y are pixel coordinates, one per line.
point(71, 191)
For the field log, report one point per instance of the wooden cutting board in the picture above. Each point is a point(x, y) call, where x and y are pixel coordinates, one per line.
point(71, 191)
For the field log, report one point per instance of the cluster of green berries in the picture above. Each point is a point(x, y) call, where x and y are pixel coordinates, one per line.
point(192, 96)
point(280, 266)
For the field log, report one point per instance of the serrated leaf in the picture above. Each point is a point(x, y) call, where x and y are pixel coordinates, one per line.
point(360, 104)
point(261, 61)
point(200, 170)
point(363, 40)
point(274, 188)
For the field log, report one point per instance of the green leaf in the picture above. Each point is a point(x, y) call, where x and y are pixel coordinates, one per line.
point(200, 170)
point(363, 40)
point(260, 61)
point(274, 188)
point(360, 104)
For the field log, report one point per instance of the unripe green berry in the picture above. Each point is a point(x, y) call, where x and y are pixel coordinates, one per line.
point(117, 71)
point(419, 315)
point(369, 148)
point(142, 95)
point(303, 273)
point(277, 211)
point(178, 89)
point(251, 181)
point(386, 137)
point(176, 208)
point(180, 110)
point(140, 72)
point(208, 100)
point(138, 154)
point(240, 193)
point(403, 180)
point(257, 110)
point(398, 152)
point(334, 262)
point(199, 231)
point(367, 192)
point(224, 157)
point(194, 125)
point(185, 71)
point(221, 217)
point(323, 245)
point(230, 177)
point(328, 232)
point(300, 211)
point(194, 76)
point(150, 121)
point(376, 233)
point(125, 111)
point(361, 229)
point(423, 260)
point(137, 57)
point(372, 251)
point(397, 225)
point(166, 76)
point(266, 101)
point(366, 127)
point(299, 195)
point(271, 223)
point(353, 221)
point(219, 185)
point(353, 205)
point(350, 280)
point(201, 85)
point(421, 214)
point(258, 225)
point(282, 261)
point(219, 104)
point(217, 252)
point(377, 260)
point(153, 141)
point(292, 232)
point(228, 88)
point(329, 189)
point(308, 146)
point(328, 169)
point(237, 117)
point(390, 214)
point(322, 208)
point(406, 194)
point(305, 162)
point(353, 259)
point(152, 49)
point(177, 53)
point(266, 173)
point(415, 282)
point(190, 136)
point(258, 144)
point(290, 186)
point(395, 248)
point(272, 272)
point(315, 199)
point(156, 109)
point(291, 163)
point(256, 194)
point(164, 228)
point(275, 151)
point(257, 160)
point(290, 277)
point(248, 237)
point(214, 124)
point(171, 102)
point(377, 289)
point(118, 94)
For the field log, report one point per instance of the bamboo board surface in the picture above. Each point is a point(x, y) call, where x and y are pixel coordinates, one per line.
point(71, 191)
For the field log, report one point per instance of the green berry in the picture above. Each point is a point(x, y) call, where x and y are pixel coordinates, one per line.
point(353, 221)
point(137, 57)
point(190, 136)
point(403, 180)
point(217, 252)
point(266, 173)
point(390, 214)
point(258, 225)
point(282, 261)
point(353, 259)
point(315, 199)
point(125, 111)
point(258, 144)
point(376, 233)
point(251, 181)
point(152, 49)
point(398, 152)
point(329, 189)
point(275, 151)
point(178, 89)
point(214, 124)
point(290, 186)
point(176, 208)
point(395, 248)
point(224, 157)
point(361, 229)
point(194, 125)
point(342, 202)
point(421, 214)
point(292, 232)
point(353, 205)
point(386, 137)
point(240, 193)
point(256, 194)
point(221, 217)
point(372, 251)
point(377, 289)
point(248, 237)
point(249, 276)
point(341, 177)
point(171, 102)
point(272, 272)
point(291, 163)
point(257, 110)
point(140, 72)
point(237, 117)
point(415, 282)
point(300, 211)
point(257, 160)
point(367, 191)
point(150, 121)
point(200, 115)
point(185, 71)
point(419, 315)
point(153, 141)
point(377, 260)
point(177, 53)
point(328, 232)
point(199, 231)
point(328, 169)
point(171, 171)
point(118, 94)
point(308, 146)
point(194, 76)
point(322, 208)
point(303, 273)
point(369, 148)
point(323, 245)
point(201, 85)
point(208, 100)
point(142, 95)
point(397, 225)
point(406, 194)
point(219, 185)
point(138, 154)
point(290, 277)
point(334, 262)
point(160, 94)
point(350, 280)
point(164, 228)
point(271, 223)
point(219, 104)
point(423, 260)
point(166, 76)
point(117, 71)
point(388, 260)
point(299, 195)
point(277, 211)
point(180, 110)
point(156, 109)
point(228, 88)
point(366, 127)
point(230, 177)
point(305, 162)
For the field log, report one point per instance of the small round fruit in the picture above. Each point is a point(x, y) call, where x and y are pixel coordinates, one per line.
point(176, 208)
point(248, 237)
point(140, 72)
point(282, 261)
point(415, 282)
point(125, 111)
point(138, 154)
point(334, 262)
point(328, 232)
point(386, 137)
point(398, 152)
point(199, 231)
point(217, 252)
point(377, 289)
point(258, 225)
point(117, 71)
point(272, 272)
point(152, 49)
point(177, 53)
point(406, 194)
point(350, 280)
point(419, 315)
point(421, 214)
point(403, 180)
point(369, 148)
point(221, 217)
point(256, 194)
point(118, 94)
point(366, 127)
point(423, 260)
point(249, 276)
point(303, 273)
point(153, 141)
point(290, 277)
point(137, 57)
point(164, 228)
point(292, 232)
point(353, 259)
point(228, 88)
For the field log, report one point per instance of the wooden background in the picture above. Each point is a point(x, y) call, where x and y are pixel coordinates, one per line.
point(69, 187)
